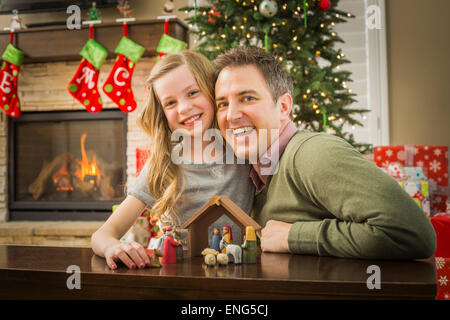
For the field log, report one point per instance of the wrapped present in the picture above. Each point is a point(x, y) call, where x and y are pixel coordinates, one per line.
point(432, 159)
point(441, 225)
point(400, 172)
point(443, 278)
point(418, 190)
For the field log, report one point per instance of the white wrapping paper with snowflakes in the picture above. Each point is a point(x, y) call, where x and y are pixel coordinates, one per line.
point(432, 159)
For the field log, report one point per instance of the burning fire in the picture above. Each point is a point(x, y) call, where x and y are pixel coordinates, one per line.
point(89, 170)
point(62, 179)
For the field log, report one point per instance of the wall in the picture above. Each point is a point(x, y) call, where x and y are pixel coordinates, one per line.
point(419, 71)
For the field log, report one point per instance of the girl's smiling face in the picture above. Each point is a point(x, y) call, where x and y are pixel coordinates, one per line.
point(184, 105)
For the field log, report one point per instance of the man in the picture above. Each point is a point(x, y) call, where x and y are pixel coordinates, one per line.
point(323, 198)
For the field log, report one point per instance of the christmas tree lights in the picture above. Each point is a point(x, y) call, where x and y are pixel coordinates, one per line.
point(302, 36)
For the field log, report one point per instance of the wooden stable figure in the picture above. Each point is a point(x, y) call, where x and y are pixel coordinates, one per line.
point(217, 206)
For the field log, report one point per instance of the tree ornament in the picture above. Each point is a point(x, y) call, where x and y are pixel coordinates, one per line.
point(93, 13)
point(268, 8)
point(168, 7)
point(324, 4)
point(124, 8)
point(9, 73)
point(213, 13)
point(16, 22)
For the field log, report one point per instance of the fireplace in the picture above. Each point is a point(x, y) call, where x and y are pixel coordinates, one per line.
point(67, 165)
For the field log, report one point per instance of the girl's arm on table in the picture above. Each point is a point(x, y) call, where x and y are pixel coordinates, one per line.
point(105, 242)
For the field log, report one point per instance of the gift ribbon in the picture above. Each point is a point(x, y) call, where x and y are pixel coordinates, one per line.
point(324, 119)
point(195, 10)
point(409, 155)
point(305, 9)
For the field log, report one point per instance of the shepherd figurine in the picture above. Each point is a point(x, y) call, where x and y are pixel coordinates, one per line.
point(227, 236)
point(215, 239)
point(169, 248)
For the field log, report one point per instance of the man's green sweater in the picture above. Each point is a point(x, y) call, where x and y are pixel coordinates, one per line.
point(341, 204)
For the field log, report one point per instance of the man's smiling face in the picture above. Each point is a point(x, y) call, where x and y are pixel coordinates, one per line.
point(246, 111)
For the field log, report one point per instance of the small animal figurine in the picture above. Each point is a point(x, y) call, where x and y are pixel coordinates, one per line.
point(209, 251)
point(154, 255)
point(227, 236)
point(210, 260)
point(215, 239)
point(232, 249)
point(222, 259)
point(210, 256)
point(249, 245)
point(169, 248)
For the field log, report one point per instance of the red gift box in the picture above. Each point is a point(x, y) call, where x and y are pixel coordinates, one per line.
point(432, 159)
point(441, 225)
point(443, 278)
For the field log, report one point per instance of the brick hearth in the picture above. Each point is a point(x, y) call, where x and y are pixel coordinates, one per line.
point(49, 233)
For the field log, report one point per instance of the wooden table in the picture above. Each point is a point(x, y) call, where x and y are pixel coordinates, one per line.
point(30, 272)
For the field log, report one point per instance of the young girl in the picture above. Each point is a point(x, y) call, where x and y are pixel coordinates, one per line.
point(181, 98)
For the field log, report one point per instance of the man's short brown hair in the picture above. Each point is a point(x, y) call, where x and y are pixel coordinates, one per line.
point(277, 79)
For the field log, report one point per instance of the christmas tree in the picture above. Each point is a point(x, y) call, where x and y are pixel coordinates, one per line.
point(300, 34)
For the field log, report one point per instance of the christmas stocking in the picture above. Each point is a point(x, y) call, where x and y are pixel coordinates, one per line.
point(168, 44)
point(83, 86)
point(118, 84)
point(9, 101)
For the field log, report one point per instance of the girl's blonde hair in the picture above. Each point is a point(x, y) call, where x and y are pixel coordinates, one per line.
point(165, 179)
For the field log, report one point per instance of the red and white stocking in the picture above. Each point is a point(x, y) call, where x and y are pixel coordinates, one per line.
point(9, 73)
point(83, 85)
point(118, 84)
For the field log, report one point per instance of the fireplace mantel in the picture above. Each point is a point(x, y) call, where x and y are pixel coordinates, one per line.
point(57, 43)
